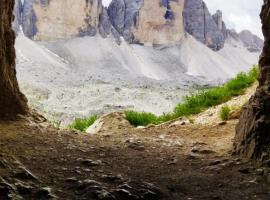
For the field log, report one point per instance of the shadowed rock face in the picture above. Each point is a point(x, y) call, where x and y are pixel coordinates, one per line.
point(153, 22)
point(253, 131)
point(17, 13)
point(12, 102)
point(57, 19)
point(204, 27)
point(46, 20)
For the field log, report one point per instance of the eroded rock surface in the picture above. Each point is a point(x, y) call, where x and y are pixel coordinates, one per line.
point(201, 25)
point(252, 132)
point(17, 14)
point(152, 22)
point(251, 41)
point(51, 20)
point(12, 101)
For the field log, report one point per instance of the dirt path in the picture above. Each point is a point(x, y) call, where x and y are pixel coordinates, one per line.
point(123, 163)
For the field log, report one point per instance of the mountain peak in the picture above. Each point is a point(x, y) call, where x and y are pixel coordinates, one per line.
point(147, 22)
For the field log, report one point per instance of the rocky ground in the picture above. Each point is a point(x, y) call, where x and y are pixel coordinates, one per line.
point(124, 163)
point(64, 80)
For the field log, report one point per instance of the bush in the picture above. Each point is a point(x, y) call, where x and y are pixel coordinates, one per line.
point(225, 113)
point(141, 118)
point(83, 124)
point(196, 103)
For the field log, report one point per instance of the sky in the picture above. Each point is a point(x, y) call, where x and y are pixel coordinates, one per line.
point(238, 14)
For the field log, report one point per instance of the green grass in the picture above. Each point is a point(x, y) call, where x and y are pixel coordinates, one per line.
point(225, 113)
point(199, 101)
point(83, 124)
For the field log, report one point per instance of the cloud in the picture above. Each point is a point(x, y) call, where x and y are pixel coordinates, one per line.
point(106, 2)
point(238, 14)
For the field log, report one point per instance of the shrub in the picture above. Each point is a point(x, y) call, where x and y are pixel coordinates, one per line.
point(83, 124)
point(225, 113)
point(141, 118)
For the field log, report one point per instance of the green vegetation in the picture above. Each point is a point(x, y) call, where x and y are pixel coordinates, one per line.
point(225, 113)
point(83, 124)
point(198, 102)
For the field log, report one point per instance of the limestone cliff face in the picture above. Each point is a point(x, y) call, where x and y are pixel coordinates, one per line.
point(12, 102)
point(208, 29)
point(252, 133)
point(56, 19)
point(218, 18)
point(17, 11)
point(159, 23)
point(151, 22)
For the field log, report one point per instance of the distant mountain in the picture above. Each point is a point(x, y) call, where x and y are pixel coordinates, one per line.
point(77, 58)
point(147, 22)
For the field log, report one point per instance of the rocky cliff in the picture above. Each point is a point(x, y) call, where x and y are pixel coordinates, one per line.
point(251, 41)
point(57, 19)
point(252, 133)
point(147, 22)
point(204, 27)
point(151, 22)
point(12, 102)
point(17, 11)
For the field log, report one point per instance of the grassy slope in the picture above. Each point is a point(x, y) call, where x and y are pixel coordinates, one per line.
point(192, 104)
point(198, 102)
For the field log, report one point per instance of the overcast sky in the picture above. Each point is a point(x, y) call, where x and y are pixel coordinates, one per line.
point(238, 14)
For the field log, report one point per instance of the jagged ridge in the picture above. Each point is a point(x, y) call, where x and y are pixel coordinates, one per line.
point(148, 22)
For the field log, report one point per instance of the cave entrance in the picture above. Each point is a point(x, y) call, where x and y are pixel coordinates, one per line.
point(252, 138)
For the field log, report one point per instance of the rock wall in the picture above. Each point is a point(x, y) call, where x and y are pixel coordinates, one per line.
point(159, 23)
point(218, 18)
point(252, 132)
point(57, 19)
point(17, 14)
point(204, 27)
point(12, 102)
point(152, 22)
point(252, 42)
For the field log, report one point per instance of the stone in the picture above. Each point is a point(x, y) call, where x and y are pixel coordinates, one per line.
point(45, 192)
point(90, 162)
point(222, 123)
point(24, 189)
point(215, 162)
point(202, 151)
point(260, 171)
point(113, 178)
point(123, 194)
point(25, 174)
point(72, 180)
point(180, 122)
